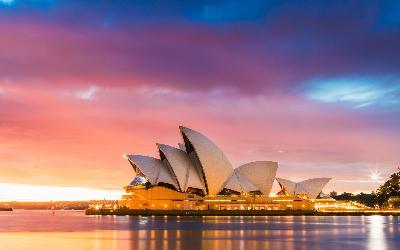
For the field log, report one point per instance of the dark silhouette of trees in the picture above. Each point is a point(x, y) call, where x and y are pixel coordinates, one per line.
point(363, 198)
point(379, 198)
point(390, 188)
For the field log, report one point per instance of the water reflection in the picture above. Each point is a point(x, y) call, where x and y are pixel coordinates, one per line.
point(74, 230)
point(376, 235)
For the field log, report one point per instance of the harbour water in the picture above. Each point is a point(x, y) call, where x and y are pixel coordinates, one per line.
point(22, 229)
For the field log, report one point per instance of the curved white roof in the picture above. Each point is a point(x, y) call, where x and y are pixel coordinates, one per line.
point(215, 167)
point(289, 185)
point(182, 167)
point(260, 173)
point(239, 183)
point(152, 169)
point(311, 187)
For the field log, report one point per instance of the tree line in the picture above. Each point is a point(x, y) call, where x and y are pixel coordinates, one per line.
point(378, 198)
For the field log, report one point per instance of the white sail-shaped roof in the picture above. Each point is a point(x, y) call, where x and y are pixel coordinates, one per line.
point(152, 169)
point(182, 167)
point(193, 179)
point(311, 187)
point(260, 173)
point(210, 160)
point(240, 184)
point(288, 185)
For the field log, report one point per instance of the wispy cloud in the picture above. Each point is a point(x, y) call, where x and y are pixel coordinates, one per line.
point(356, 92)
point(87, 94)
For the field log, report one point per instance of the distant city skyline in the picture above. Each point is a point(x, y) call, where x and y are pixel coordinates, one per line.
point(315, 88)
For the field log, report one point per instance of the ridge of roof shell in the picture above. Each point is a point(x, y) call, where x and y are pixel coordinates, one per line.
point(260, 173)
point(152, 169)
point(182, 167)
point(239, 183)
point(312, 187)
point(289, 185)
point(215, 165)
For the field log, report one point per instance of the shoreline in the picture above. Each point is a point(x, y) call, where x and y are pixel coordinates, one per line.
point(6, 209)
point(126, 212)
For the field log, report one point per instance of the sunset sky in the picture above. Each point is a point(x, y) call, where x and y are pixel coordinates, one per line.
point(314, 86)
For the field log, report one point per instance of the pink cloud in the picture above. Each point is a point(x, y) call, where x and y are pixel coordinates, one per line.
point(52, 135)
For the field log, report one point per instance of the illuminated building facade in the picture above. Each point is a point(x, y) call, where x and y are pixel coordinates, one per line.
point(198, 176)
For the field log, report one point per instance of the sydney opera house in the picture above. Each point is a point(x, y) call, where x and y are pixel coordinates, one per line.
point(197, 176)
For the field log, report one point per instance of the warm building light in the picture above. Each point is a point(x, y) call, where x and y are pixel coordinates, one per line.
point(223, 200)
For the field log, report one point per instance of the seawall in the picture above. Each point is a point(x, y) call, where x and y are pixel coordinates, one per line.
point(123, 212)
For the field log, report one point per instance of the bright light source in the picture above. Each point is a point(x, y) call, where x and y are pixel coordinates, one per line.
point(375, 176)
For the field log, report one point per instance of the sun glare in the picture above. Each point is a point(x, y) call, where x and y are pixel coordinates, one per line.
point(375, 176)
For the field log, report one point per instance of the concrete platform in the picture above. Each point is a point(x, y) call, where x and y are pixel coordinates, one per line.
point(123, 212)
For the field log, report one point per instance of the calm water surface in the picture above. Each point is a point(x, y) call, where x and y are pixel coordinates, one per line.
point(74, 230)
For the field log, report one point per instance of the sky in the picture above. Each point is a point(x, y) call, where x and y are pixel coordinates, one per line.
point(313, 85)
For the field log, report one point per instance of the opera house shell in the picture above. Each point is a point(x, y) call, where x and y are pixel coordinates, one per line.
point(199, 166)
point(311, 187)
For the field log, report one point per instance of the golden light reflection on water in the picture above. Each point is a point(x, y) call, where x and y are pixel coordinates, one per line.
point(40, 230)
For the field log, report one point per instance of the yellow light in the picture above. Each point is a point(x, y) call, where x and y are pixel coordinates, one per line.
point(222, 200)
